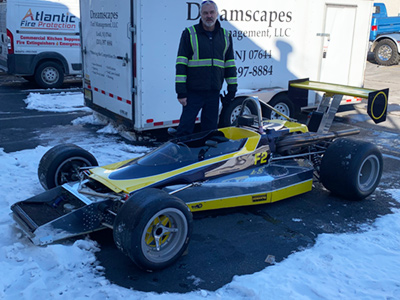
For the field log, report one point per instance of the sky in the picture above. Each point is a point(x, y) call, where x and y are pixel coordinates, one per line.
point(356, 265)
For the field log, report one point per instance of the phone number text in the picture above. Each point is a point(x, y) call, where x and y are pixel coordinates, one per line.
point(254, 71)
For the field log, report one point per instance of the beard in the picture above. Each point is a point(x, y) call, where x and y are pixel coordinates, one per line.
point(209, 22)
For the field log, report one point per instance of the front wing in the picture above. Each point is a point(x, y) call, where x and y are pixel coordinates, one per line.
point(63, 212)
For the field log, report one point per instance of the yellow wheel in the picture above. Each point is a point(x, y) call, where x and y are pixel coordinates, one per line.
point(153, 228)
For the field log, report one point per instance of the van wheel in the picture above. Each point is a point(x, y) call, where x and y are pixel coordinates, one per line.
point(62, 163)
point(351, 169)
point(385, 53)
point(281, 103)
point(231, 111)
point(153, 228)
point(49, 75)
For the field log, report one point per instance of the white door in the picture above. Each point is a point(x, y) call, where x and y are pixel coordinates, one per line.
point(337, 45)
point(107, 44)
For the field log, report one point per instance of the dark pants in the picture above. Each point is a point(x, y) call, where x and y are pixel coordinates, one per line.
point(208, 102)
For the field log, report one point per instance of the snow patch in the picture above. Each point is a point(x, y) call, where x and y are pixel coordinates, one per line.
point(61, 102)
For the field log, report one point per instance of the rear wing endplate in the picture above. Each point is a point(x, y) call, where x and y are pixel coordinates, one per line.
point(333, 93)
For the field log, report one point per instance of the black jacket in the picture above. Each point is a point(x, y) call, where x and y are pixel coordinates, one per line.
point(213, 62)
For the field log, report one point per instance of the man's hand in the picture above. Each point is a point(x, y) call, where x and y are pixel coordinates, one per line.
point(182, 101)
point(226, 98)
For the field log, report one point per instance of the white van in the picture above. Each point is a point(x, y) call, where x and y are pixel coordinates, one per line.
point(40, 40)
point(129, 52)
point(3, 36)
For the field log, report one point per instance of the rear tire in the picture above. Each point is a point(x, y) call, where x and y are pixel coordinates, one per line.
point(153, 228)
point(49, 75)
point(351, 168)
point(385, 53)
point(61, 164)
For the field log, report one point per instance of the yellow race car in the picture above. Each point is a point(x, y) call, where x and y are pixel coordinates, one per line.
point(148, 201)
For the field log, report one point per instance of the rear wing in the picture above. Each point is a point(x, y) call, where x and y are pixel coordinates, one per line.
point(322, 118)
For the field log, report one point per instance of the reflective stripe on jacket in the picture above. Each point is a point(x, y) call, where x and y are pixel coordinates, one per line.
point(205, 60)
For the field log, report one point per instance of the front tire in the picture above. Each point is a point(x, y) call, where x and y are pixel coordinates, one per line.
point(62, 163)
point(385, 53)
point(153, 228)
point(49, 75)
point(351, 168)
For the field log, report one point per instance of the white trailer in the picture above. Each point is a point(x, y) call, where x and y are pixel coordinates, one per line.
point(40, 40)
point(130, 46)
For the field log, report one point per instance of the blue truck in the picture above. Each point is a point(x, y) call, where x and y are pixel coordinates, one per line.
point(385, 36)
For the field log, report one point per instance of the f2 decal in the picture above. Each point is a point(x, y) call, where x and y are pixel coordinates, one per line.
point(261, 158)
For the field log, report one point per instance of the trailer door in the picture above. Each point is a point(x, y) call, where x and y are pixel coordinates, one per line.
point(338, 38)
point(107, 46)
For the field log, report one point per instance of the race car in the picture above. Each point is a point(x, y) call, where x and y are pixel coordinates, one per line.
point(148, 201)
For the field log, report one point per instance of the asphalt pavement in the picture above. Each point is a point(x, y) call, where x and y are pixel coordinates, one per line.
point(231, 242)
point(21, 128)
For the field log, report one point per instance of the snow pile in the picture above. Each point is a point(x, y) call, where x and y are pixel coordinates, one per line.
point(339, 266)
point(362, 265)
point(62, 102)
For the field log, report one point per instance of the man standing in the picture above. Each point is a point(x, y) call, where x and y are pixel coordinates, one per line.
point(205, 59)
